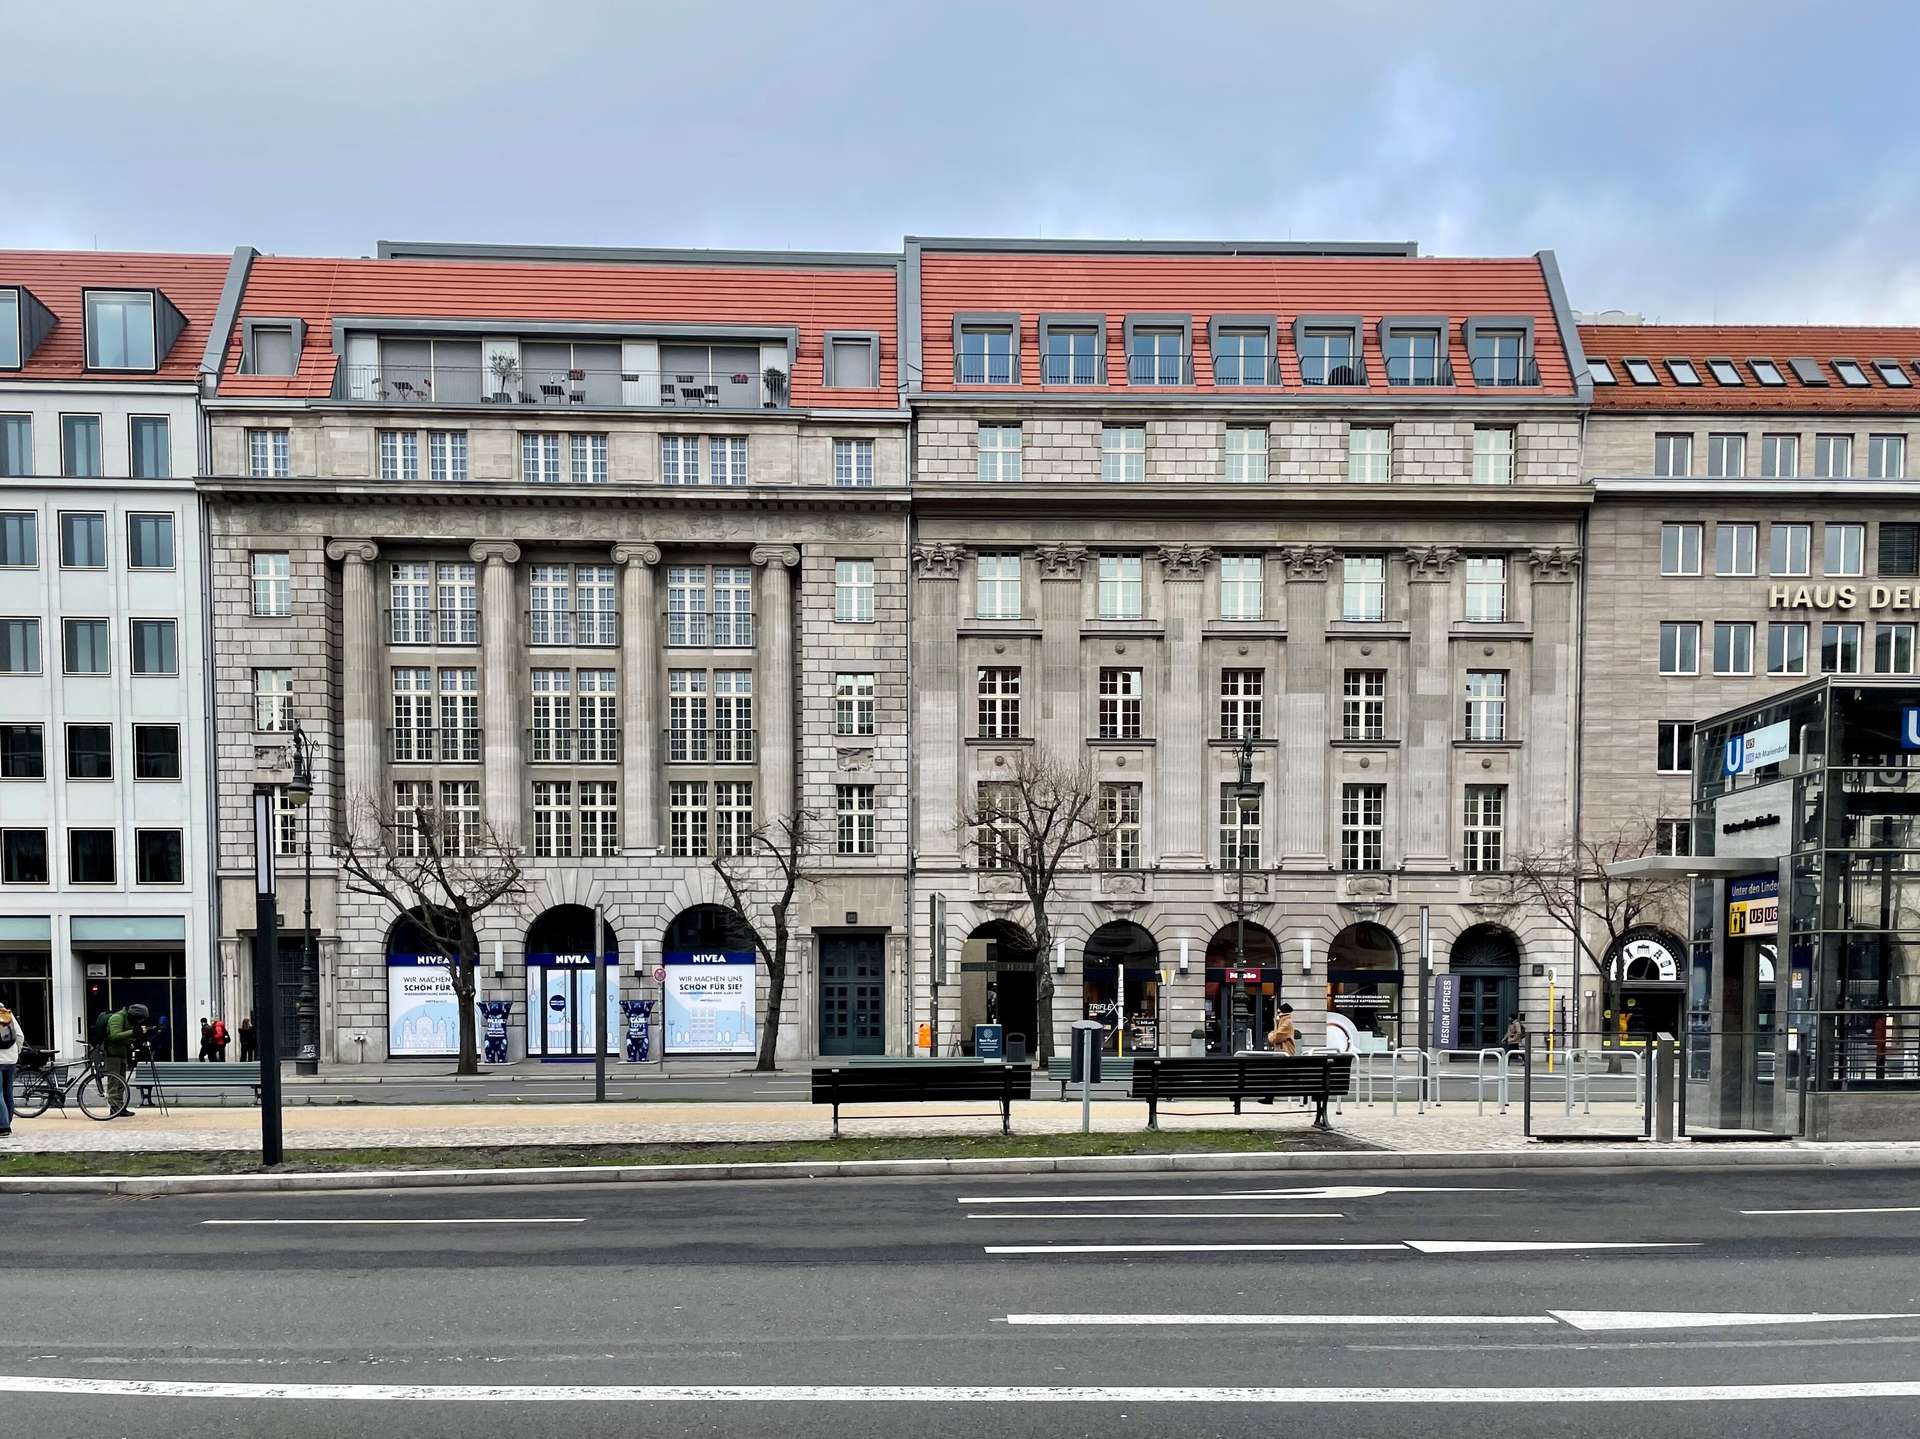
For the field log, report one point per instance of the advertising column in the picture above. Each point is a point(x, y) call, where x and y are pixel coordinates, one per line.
point(710, 1003)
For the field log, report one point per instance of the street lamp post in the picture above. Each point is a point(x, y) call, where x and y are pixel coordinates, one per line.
point(307, 1000)
point(266, 956)
point(1246, 796)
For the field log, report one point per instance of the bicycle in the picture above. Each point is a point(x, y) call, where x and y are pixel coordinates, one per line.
point(99, 1091)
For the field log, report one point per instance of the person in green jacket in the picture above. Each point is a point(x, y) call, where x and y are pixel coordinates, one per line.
point(124, 1026)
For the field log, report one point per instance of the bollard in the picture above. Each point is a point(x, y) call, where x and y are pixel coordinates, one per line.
point(1662, 1089)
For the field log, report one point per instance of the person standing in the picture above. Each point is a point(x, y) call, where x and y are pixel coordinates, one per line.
point(10, 1041)
point(206, 1041)
point(249, 1045)
point(220, 1039)
point(124, 1026)
point(1515, 1040)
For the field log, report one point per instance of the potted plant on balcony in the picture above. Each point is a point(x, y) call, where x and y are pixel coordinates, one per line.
point(775, 379)
point(506, 369)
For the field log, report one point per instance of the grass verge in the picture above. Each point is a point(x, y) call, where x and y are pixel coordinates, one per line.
point(540, 1156)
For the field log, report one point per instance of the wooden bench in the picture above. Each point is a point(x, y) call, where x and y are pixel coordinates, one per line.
point(179, 1077)
point(1113, 1070)
point(1317, 1077)
point(923, 1083)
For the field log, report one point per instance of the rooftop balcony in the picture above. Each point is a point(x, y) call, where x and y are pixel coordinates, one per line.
point(657, 389)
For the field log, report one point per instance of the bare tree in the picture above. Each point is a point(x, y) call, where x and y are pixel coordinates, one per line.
point(1571, 885)
point(442, 870)
point(1043, 817)
point(778, 855)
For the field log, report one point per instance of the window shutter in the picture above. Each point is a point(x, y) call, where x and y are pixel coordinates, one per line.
point(1899, 549)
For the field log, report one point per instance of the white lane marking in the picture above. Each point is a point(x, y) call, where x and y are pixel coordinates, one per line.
point(328, 1222)
point(1333, 1191)
point(1528, 1246)
point(1886, 1209)
point(1606, 1321)
point(1179, 1248)
point(948, 1394)
point(1283, 1321)
point(1136, 1214)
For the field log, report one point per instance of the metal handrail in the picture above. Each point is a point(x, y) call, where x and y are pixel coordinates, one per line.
point(423, 745)
point(1154, 369)
point(1488, 371)
point(442, 627)
point(573, 628)
point(588, 744)
point(710, 744)
point(1407, 372)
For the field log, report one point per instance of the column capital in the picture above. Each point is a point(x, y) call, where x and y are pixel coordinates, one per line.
point(636, 552)
point(939, 561)
point(486, 552)
point(774, 555)
point(1306, 562)
point(1431, 562)
point(365, 551)
point(1554, 563)
point(1185, 562)
point(1062, 562)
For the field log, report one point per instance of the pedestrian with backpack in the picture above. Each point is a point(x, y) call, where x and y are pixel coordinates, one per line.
point(116, 1034)
point(206, 1041)
point(10, 1040)
point(220, 1039)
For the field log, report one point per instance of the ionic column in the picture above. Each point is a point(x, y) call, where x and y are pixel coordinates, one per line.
point(1547, 733)
point(499, 632)
point(1062, 570)
point(1182, 812)
point(775, 682)
point(360, 679)
point(936, 700)
point(640, 697)
point(1301, 710)
point(1426, 806)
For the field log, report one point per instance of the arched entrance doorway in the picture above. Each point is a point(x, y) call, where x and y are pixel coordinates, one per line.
point(1363, 982)
point(1120, 986)
point(423, 1016)
point(711, 997)
point(560, 984)
point(1486, 958)
point(998, 979)
point(1650, 965)
point(1243, 987)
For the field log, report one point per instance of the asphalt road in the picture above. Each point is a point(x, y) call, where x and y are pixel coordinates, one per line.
point(983, 1306)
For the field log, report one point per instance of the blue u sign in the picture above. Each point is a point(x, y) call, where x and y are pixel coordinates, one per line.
point(1736, 754)
point(1910, 727)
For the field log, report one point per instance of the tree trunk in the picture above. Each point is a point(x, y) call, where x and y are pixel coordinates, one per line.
point(1042, 991)
point(465, 969)
point(776, 996)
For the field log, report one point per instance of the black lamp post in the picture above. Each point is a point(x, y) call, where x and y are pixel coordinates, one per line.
point(266, 967)
point(1246, 796)
point(306, 1043)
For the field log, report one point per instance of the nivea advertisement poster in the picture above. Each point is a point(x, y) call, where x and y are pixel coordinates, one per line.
point(710, 1007)
point(423, 1017)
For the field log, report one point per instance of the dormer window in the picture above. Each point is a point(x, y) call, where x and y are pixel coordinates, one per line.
point(1329, 354)
point(1243, 355)
point(986, 350)
point(10, 330)
point(1157, 351)
point(852, 361)
point(1501, 353)
point(1416, 357)
point(271, 347)
point(1724, 372)
point(1070, 350)
point(1640, 371)
point(120, 330)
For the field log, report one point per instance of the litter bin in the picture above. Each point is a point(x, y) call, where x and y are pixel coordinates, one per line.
point(1016, 1049)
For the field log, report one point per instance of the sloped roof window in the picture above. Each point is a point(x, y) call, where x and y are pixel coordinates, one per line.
point(1724, 372)
point(1806, 371)
point(1599, 371)
point(1892, 375)
point(1683, 372)
point(1766, 372)
point(1851, 374)
point(1640, 372)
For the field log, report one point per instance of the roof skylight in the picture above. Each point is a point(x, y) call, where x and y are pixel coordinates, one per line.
point(1850, 373)
point(1640, 372)
point(1766, 372)
point(1891, 374)
point(1724, 372)
point(1806, 371)
point(1599, 371)
point(1683, 372)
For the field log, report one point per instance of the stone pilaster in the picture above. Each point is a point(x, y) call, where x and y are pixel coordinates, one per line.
point(499, 637)
point(1062, 687)
point(361, 683)
point(774, 683)
point(940, 764)
point(640, 696)
point(1183, 812)
point(1426, 807)
point(1542, 823)
point(1301, 709)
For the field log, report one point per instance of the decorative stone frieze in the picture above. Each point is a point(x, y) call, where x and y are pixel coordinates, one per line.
point(1062, 562)
point(1431, 562)
point(1185, 562)
point(1554, 563)
point(1306, 562)
point(939, 561)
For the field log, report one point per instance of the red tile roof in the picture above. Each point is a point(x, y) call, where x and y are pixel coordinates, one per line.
point(1283, 286)
point(812, 301)
point(1822, 344)
point(56, 278)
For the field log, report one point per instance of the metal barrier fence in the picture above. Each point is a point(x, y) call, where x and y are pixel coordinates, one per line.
point(1560, 1104)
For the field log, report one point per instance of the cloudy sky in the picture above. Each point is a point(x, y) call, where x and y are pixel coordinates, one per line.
point(1689, 159)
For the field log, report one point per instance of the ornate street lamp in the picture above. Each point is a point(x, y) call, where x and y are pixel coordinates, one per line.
point(307, 999)
point(1246, 796)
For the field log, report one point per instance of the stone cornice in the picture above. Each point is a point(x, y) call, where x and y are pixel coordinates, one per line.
point(1554, 564)
point(939, 561)
point(1306, 562)
point(1185, 562)
point(774, 555)
point(636, 552)
point(1062, 562)
point(483, 552)
point(365, 551)
point(1431, 562)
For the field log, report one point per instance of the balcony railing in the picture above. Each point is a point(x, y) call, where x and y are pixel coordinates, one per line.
point(1407, 371)
point(1153, 369)
point(415, 626)
point(1069, 370)
point(1238, 371)
point(1495, 371)
point(710, 746)
point(434, 746)
point(655, 389)
point(577, 629)
point(600, 745)
point(1315, 370)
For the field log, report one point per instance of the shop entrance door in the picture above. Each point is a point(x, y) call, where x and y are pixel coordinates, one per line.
point(853, 994)
point(26, 987)
point(1488, 1001)
point(1242, 1007)
point(560, 1022)
point(157, 979)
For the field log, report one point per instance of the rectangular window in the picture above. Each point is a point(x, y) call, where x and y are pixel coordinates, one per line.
point(410, 589)
point(1832, 457)
point(733, 607)
point(83, 541)
point(999, 456)
point(1239, 828)
point(1157, 357)
point(1119, 709)
point(996, 840)
point(1673, 836)
point(1846, 550)
point(999, 702)
point(159, 857)
point(853, 591)
point(551, 713)
point(1899, 549)
point(156, 751)
point(988, 355)
point(25, 856)
point(1486, 706)
point(413, 727)
point(1242, 703)
point(853, 464)
point(597, 716)
point(1673, 747)
point(1893, 649)
point(1486, 589)
point(1120, 826)
point(1787, 647)
point(596, 611)
point(1120, 597)
point(1363, 705)
point(458, 601)
point(85, 647)
point(1726, 456)
point(409, 798)
point(540, 458)
point(19, 540)
point(1123, 453)
point(853, 703)
point(23, 753)
point(1499, 358)
point(149, 542)
point(19, 646)
point(853, 819)
point(460, 715)
point(90, 857)
point(272, 701)
point(1414, 357)
point(447, 457)
point(1492, 455)
point(1327, 358)
point(460, 815)
point(1680, 548)
point(1840, 649)
point(16, 446)
point(155, 647)
point(1789, 549)
point(10, 339)
point(587, 459)
point(599, 819)
point(849, 365)
point(996, 586)
point(1733, 547)
point(553, 820)
point(687, 717)
point(1246, 454)
point(1733, 647)
point(267, 457)
point(1779, 457)
point(1484, 829)
point(1242, 587)
point(1363, 587)
point(1363, 826)
point(733, 817)
point(727, 460)
point(89, 751)
point(1680, 647)
point(1241, 357)
point(272, 350)
point(1369, 454)
point(1724, 373)
point(687, 605)
point(1672, 456)
point(120, 330)
point(400, 456)
point(149, 447)
point(1886, 457)
point(1073, 355)
point(1639, 371)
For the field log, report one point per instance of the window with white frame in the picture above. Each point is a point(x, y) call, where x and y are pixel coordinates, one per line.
point(447, 456)
point(1790, 549)
point(1484, 830)
point(988, 355)
point(1886, 457)
point(551, 713)
point(1846, 550)
point(1246, 454)
point(1733, 647)
point(400, 456)
point(553, 819)
point(1673, 747)
point(1832, 457)
point(1486, 588)
point(267, 455)
point(1893, 648)
point(853, 819)
point(599, 818)
point(1123, 453)
point(596, 605)
point(1363, 705)
point(587, 457)
point(272, 584)
point(1242, 587)
point(1242, 703)
point(1119, 590)
point(853, 703)
point(460, 816)
point(1680, 548)
point(272, 701)
point(460, 714)
point(1672, 455)
point(999, 452)
point(1363, 587)
point(733, 607)
point(732, 817)
point(733, 716)
point(1673, 836)
point(540, 459)
point(1493, 454)
point(410, 797)
point(687, 605)
point(1327, 357)
point(1363, 826)
point(1726, 456)
point(996, 586)
point(412, 715)
point(1787, 647)
point(597, 716)
point(1239, 827)
point(1119, 706)
point(996, 840)
point(288, 823)
point(687, 717)
point(1779, 457)
point(680, 459)
point(1840, 648)
point(727, 460)
point(1369, 454)
point(1486, 706)
point(1680, 647)
point(853, 591)
point(410, 603)
point(1120, 826)
point(550, 590)
point(687, 818)
point(458, 600)
point(998, 698)
point(1733, 548)
point(853, 464)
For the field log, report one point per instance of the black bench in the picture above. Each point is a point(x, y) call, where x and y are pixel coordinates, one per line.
point(174, 1076)
point(1114, 1069)
point(1318, 1077)
point(921, 1083)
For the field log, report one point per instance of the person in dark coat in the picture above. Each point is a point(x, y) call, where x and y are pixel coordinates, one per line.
point(206, 1041)
point(249, 1042)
